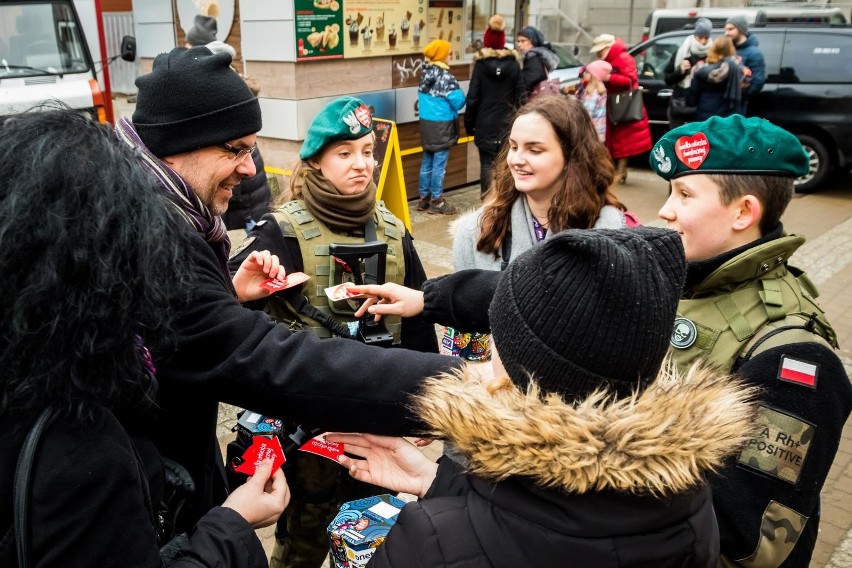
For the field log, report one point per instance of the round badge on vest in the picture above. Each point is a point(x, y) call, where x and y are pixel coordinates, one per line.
point(684, 333)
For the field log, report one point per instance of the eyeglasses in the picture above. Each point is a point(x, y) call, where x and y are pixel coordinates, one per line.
point(239, 153)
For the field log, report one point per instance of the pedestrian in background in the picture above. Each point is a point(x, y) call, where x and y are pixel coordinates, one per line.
point(586, 448)
point(439, 100)
point(624, 139)
point(495, 92)
point(679, 70)
point(104, 271)
point(538, 57)
point(716, 88)
point(749, 53)
point(592, 93)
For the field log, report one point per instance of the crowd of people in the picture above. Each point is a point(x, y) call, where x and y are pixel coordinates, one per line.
point(655, 396)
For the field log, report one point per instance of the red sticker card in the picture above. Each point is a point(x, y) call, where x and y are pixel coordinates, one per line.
point(262, 448)
point(292, 279)
point(692, 150)
point(321, 447)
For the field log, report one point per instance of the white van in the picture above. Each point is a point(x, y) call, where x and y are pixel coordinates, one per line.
point(672, 19)
point(45, 56)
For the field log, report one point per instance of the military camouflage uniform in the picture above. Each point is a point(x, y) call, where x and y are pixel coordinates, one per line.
point(319, 486)
point(748, 312)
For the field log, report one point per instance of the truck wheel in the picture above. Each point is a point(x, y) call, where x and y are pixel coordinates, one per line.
point(819, 164)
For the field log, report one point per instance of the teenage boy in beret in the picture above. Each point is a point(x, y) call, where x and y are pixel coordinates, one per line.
point(745, 310)
point(195, 127)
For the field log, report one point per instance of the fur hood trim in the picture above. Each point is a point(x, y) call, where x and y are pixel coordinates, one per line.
point(660, 442)
point(487, 53)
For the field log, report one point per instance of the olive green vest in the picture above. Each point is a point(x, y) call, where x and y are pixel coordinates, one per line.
point(743, 307)
point(313, 237)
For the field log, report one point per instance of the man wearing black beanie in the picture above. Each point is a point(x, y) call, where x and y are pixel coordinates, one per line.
point(195, 128)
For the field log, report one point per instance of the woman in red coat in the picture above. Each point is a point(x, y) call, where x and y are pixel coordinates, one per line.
point(627, 138)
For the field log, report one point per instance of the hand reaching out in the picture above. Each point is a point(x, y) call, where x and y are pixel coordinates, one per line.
point(262, 498)
point(388, 462)
point(258, 267)
point(389, 300)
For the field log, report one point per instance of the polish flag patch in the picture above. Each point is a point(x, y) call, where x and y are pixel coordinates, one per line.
point(798, 371)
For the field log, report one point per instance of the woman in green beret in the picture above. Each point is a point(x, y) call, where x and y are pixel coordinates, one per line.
point(332, 200)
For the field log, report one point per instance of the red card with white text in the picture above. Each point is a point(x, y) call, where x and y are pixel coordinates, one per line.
point(262, 448)
point(292, 279)
point(692, 150)
point(321, 447)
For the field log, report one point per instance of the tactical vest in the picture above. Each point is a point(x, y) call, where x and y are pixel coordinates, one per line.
point(750, 304)
point(313, 237)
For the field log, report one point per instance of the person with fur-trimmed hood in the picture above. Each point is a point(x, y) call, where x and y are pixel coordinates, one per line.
point(495, 91)
point(587, 446)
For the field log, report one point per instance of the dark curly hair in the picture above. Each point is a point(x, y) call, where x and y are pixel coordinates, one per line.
point(92, 262)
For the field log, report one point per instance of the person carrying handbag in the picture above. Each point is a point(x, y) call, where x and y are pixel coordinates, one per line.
point(680, 68)
point(624, 139)
point(538, 60)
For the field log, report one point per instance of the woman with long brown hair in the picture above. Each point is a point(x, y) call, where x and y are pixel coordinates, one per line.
point(716, 88)
point(552, 175)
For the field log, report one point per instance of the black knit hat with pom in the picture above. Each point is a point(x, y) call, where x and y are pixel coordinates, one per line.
point(589, 309)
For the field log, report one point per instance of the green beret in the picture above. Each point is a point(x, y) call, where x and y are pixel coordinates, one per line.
point(346, 118)
point(730, 145)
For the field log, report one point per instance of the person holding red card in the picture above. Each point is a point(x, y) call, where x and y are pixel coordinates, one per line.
point(332, 201)
point(84, 289)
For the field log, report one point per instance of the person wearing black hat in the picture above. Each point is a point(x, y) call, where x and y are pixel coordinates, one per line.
point(587, 447)
point(195, 127)
point(749, 53)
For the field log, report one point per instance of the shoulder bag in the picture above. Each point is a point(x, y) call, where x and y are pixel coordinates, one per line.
point(21, 487)
point(546, 87)
point(625, 107)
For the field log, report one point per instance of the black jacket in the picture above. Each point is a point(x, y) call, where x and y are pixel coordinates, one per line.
point(596, 484)
point(88, 504)
point(226, 352)
point(494, 93)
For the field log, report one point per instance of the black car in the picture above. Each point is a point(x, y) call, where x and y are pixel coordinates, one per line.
point(808, 89)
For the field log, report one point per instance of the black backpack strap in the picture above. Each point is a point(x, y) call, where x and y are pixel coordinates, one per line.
point(506, 250)
point(21, 488)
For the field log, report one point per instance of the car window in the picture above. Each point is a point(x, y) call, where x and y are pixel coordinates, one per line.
point(566, 56)
point(651, 62)
point(817, 58)
point(771, 44)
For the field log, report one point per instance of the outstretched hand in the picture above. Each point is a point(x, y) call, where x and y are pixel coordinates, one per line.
point(262, 498)
point(389, 299)
point(388, 462)
point(258, 267)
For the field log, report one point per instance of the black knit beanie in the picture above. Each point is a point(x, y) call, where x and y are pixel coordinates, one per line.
point(192, 99)
point(588, 309)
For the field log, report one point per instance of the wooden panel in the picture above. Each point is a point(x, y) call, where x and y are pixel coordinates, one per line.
point(335, 77)
point(277, 79)
point(116, 5)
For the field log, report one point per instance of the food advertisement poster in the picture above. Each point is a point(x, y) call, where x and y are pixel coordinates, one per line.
point(390, 27)
point(319, 29)
point(444, 21)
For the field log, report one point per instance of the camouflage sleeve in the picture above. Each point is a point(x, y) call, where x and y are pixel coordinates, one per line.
point(769, 492)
